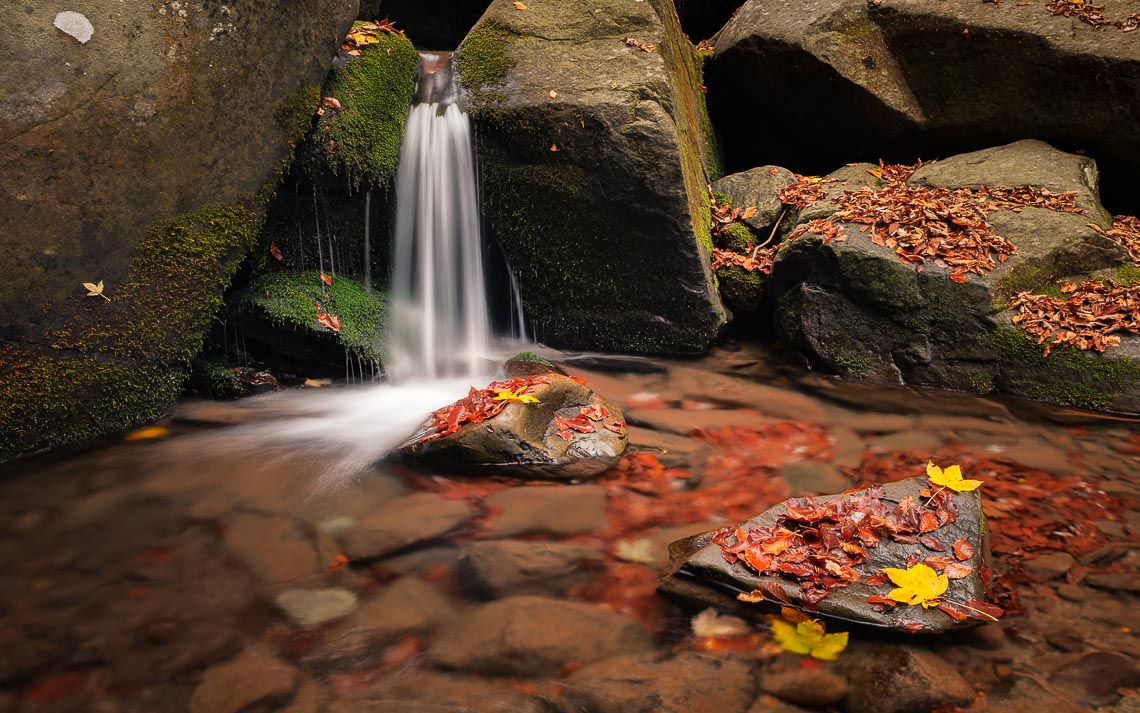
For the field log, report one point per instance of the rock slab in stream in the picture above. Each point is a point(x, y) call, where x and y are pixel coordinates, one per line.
point(524, 439)
point(698, 570)
point(595, 157)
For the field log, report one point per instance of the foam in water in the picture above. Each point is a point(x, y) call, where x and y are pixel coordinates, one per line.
point(440, 324)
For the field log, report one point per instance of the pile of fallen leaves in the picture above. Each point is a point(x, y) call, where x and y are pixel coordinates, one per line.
point(482, 404)
point(585, 420)
point(806, 191)
point(363, 34)
point(820, 544)
point(1125, 231)
point(723, 214)
point(1032, 197)
point(1091, 14)
point(1087, 319)
point(941, 225)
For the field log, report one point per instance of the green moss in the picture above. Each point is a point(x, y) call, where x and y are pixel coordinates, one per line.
point(857, 364)
point(295, 113)
point(1127, 275)
point(123, 362)
point(981, 383)
point(482, 58)
point(289, 300)
point(1067, 376)
point(737, 238)
point(740, 288)
point(214, 381)
point(362, 139)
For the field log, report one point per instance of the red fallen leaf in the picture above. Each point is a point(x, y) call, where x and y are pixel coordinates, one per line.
point(914, 627)
point(617, 427)
point(938, 563)
point(566, 435)
point(578, 379)
point(881, 599)
point(963, 550)
point(773, 592)
point(326, 278)
point(577, 423)
point(329, 321)
point(340, 561)
point(932, 543)
point(959, 570)
point(597, 412)
point(876, 580)
point(797, 570)
point(958, 276)
point(757, 560)
point(56, 686)
point(276, 251)
point(773, 171)
point(331, 102)
point(913, 559)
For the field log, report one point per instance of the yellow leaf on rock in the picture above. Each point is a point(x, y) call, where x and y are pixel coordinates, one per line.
point(147, 433)
point(808, 638)
point(520, 6)
point(917, 585)
point(951, 478)
point(518, 396)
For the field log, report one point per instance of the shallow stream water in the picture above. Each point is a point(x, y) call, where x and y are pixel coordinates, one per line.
point(202, 570)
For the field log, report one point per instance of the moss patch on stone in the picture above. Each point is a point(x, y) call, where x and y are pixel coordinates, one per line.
point(361, 141)
point(482, 58)
point(737, 238)
point(214, 381)
point(124, 361)
point(740, 288)
point(288, 300)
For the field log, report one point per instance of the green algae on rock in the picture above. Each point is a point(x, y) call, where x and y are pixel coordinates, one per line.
point(595, 158)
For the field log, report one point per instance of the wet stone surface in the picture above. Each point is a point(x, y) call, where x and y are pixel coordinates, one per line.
point(240, 566)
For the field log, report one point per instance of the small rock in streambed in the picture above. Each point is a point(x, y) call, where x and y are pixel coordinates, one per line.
point(900, 679)
point(307, 608)
point(495, 568)
point(806, 687)
point(546, 426)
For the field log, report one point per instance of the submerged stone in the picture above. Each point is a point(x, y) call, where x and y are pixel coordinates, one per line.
point(699, 570)
point(568, 432)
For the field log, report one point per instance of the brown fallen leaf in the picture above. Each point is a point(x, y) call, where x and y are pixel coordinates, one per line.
point(332, 103)
point(553, 94)
point(326, 278)
point(520, 6)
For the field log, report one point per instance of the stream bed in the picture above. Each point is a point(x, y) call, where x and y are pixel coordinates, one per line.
point(201, 569)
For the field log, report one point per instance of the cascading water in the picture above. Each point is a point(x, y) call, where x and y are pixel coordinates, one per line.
point(440, 324)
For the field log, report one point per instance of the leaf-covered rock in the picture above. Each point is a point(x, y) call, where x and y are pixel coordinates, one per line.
point(548, 426)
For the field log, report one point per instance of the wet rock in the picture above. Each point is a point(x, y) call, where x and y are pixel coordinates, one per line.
point(407, 606)
point(438, 693)
point(688, 683)
point(534, 636)
point(530, 364)
point(653, 549)
point(900, 679)
point(1050, 565)
point(988, 637)
point(403, 522)
point(1031, 696)
point(770, 704)
point(922, 328)
point(558, 510)
point(489, 570)
point(1119, 582)
point(307, 608)
point(255, 676)
point(273, 548)
point(757, 187)
point(813, 478)
point(639, 125)
point(525, 439)
point(806, 686)
point(1097, 676)
point(698, 570)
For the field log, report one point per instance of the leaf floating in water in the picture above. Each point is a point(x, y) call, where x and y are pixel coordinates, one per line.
point(147, 433)
point(317, 383)
point(95, 290)
point(808, 638)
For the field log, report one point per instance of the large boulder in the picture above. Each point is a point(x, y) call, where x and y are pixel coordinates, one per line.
point(864, 80)
point(139, 141)
point(553, 427)
point(855, 307)
point(595, 154)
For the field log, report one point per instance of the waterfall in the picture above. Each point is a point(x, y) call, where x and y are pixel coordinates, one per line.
point(439, 320)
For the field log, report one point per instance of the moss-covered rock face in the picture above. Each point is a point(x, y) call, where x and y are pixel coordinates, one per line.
point(279, 314)
point(141, 158)
point(361, 141)
point(595, 156)
point(856, 308)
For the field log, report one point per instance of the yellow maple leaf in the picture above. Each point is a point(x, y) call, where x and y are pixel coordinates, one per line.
point(517, 395)
point(951, 478)
point(808, 638)
point(917, 585)
point(359, 39)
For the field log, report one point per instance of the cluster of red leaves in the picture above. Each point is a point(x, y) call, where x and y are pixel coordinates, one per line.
point(1125, 231)
point(1087, 319)
point(820, 544)
point(1091, 14)
point(479, 405)
point(1033, 512)
point(806, 191)
point(759, 260)
point(1033, 197)
point(946, 226)
point(829, 229)
point(723, 214)
point(584, 422)
point(894, 172)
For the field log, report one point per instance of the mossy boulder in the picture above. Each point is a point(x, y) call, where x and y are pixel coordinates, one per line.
point(899, 79)
point(279, 319)
point(856, 308)
point(140, 158)
point(595, 156)
point(757, 188)
point(524, 438)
